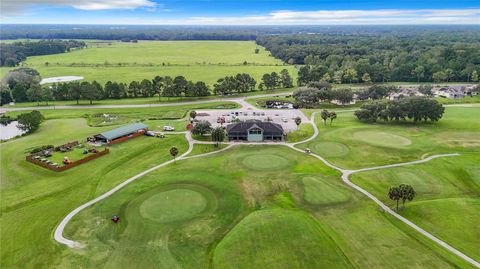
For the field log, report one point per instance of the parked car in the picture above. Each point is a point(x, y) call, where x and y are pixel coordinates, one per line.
point(284, 119)
point(221, 120)
point(168, 128)
point(149, 133)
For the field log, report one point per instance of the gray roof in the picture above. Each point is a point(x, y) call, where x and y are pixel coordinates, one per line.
point(268, 128)
point(122, 131)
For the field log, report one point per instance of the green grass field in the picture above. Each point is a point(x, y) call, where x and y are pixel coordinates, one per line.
point(352, 144)
point(123, 62)
point(247, 206)
point(446, 202)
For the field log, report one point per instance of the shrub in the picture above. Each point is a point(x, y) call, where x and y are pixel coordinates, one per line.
point(41, 148)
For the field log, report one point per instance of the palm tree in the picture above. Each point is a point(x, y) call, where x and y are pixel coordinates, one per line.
point(174, 152)
point(193, 114)
point(395, 194)
point(218, 135)
point(324, 114)
point(333, 116)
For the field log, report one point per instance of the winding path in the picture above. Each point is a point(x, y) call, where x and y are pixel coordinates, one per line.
point(58, 235)
point(345, 177)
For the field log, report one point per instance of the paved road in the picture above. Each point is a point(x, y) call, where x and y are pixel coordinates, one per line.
point(240, 100)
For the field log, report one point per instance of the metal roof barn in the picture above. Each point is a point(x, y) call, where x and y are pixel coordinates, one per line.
point(122, 131)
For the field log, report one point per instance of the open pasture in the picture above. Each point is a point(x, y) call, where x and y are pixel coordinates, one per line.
point(195, 60)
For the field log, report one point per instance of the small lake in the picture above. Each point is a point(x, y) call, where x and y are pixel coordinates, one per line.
point(9, 131)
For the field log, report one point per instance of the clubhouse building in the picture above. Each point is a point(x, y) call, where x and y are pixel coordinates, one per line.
point(255, 131)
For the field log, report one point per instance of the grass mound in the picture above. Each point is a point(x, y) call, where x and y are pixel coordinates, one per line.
point(318, 191)
point(173, 205)
point(382, 139)
point(330, 149)
point(300, 242)
point(265, 162)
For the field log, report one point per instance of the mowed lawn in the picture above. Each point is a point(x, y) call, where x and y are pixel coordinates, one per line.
point(352, 144)
point(196, 60)
point(247, 207)
point(34, 200)
point(447, 200)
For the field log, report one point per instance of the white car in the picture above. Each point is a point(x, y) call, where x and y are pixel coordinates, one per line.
point(284, 119)
point(168, 128)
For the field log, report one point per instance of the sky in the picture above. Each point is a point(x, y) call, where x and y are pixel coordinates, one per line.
point(240, 12)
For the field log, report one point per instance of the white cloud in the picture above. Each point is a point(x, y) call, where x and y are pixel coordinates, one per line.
point(279, 17)
point(16, 7)
point(347, 17)
point(112, 4)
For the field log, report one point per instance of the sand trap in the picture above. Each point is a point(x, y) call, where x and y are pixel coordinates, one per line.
point(383, 139)
point(60, 79)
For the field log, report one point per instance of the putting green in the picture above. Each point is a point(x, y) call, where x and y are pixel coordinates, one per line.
point(329, 149)
point(265, 162)
point(173, 205)
point(383, 139)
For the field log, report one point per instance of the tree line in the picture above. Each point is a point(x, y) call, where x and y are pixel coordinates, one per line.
point(242, 83)
point(426, 56)
point(316, 92)
point(11, 54)
point(22, 85)
point(412, 108)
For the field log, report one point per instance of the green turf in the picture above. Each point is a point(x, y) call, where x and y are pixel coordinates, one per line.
point(300, 242)
point(446, 201)
point(205, 148)
point(173, 205)
point(304, 131)
point(330, 149)
point(319, 191)
point(34, 199)
point(251, 206)
point(123, 62)
point(358, 144)
point(341, 229)
point(381, 138)
point(264, 162)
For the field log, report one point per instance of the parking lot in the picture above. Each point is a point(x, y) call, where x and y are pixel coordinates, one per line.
point(284, 117)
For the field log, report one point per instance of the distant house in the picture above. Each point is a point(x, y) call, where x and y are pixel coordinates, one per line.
point(453, 92)
point(340, 103)
point(121, 134)
point(402, 93)
point(255, 131)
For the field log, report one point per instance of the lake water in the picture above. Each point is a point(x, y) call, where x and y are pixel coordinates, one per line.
point(9, 131)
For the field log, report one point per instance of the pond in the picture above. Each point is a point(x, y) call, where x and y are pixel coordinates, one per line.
point(9, 131)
